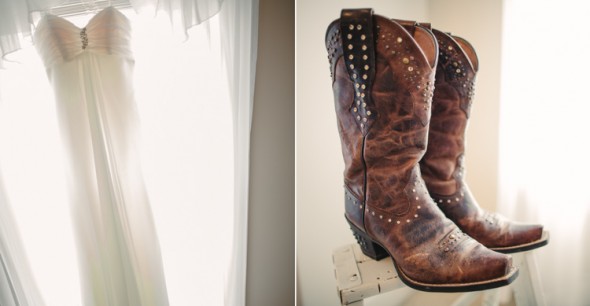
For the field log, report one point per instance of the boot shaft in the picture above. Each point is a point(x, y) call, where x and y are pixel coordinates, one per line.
point(442, 165)
point(383, 78)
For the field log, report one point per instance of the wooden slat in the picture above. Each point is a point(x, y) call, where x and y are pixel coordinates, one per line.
point(359, 277)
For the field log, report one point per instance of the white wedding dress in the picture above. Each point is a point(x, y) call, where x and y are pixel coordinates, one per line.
point(91, 70)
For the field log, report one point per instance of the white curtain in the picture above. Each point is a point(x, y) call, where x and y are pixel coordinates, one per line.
point(237, 27)
point(182, 14)
point(16, 16)
point(15, 23)
point(239, 19)
point(544, 146)
point(17, 286)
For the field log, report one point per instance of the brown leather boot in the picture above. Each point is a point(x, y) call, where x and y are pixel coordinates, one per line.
point(383, 79)
point(442, 165)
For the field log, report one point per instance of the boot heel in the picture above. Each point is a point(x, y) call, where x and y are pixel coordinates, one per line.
point(368, 246)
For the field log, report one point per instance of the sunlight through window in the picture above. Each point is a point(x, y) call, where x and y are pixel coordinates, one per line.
point(187, 158)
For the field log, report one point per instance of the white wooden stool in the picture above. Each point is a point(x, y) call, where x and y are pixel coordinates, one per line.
point(359, 277)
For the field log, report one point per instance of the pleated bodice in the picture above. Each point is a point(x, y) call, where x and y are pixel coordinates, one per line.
point(58, 40)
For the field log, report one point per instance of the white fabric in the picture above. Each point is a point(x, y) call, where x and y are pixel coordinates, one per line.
point(239, 25)
point(544, 146)
point(119, 253)
point(107, 33)
point(187, 155)
point(183, 14)
point(16, 22)
point(17, 286)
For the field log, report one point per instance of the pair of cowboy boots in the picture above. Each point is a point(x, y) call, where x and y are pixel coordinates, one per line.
point(403, 92)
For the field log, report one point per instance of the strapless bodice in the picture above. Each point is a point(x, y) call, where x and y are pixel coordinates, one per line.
point(58, 40)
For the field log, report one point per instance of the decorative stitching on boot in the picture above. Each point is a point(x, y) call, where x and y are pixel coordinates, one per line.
point(450, 242)
point(416, 194)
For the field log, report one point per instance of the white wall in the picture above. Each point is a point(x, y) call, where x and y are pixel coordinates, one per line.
point(319, 165)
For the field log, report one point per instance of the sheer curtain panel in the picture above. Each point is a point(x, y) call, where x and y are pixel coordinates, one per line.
point(15, 23)
point(183, 14)
point(16, 16)
point(239, 24)
point(17, 286)
point(544, 147)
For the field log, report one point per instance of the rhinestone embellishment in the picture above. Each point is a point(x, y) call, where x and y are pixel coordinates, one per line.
point(84, 38)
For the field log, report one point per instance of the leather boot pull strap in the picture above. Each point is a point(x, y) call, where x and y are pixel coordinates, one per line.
point(426, 25)
point(409, 25)
point(356, 28)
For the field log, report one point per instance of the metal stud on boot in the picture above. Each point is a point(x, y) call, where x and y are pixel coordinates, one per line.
point(442, 165)
point(383, 77)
